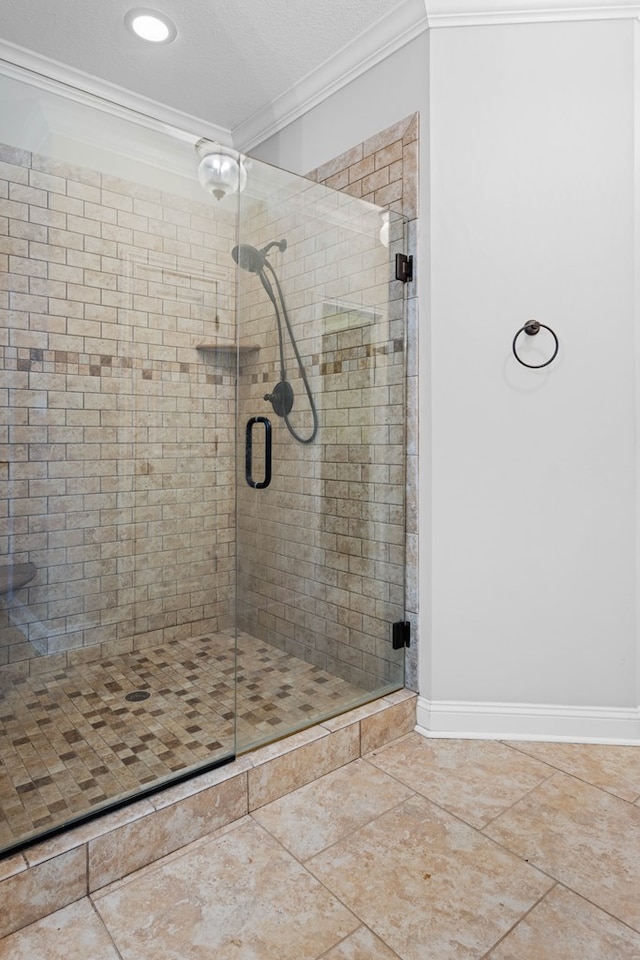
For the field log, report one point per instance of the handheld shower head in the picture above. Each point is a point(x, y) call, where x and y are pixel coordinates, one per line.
point(248, 258)
point(253, 260)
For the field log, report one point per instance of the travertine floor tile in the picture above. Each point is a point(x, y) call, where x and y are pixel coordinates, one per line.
point(318, 814)
point(474, 779)
point(74, 933)
point(239, 896)
point(615, 769)
point(427, 884)
point(126, 849)
point(587, 839)
point(361, 945)
point(564, 925)
point(31, 894)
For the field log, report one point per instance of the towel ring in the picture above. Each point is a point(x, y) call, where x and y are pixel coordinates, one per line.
point(531, 329)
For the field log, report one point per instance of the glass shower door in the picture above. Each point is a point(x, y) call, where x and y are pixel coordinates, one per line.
point(117, 555)
point(320, 473)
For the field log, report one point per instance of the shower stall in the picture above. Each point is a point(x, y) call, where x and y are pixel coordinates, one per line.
point(203, 459)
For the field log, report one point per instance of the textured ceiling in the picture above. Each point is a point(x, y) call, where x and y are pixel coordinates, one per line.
point(231, 57)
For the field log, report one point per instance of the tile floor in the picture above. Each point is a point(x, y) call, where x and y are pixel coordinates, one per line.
point(71, 742)
point(420, 850)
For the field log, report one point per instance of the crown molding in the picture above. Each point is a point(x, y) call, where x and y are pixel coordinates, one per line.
point(398, 28)
point(378, 42)
point(83, 88)
point(473, 13)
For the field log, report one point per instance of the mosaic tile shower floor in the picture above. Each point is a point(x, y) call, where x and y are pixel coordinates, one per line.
point(70, 742)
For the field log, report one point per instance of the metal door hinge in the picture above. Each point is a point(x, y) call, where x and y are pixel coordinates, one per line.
point(404, 267)
point(400, 634)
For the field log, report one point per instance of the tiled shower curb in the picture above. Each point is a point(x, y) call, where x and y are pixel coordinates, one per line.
point(49, 875)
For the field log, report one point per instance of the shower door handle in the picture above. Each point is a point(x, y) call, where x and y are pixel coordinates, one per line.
point(248, 471)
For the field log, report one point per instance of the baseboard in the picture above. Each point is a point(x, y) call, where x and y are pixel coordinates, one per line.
point(528, 721)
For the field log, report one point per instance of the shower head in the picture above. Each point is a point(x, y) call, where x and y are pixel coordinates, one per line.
point(248, 258)
point(253, 260)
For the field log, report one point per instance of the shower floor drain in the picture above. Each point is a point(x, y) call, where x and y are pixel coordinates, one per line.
point(138, 695)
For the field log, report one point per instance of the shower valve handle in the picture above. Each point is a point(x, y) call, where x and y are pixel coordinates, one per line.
point(281, 399)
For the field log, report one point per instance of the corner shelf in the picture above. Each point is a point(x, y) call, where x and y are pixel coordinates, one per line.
point(227, 349)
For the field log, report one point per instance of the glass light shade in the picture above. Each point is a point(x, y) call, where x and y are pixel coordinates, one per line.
point(221, 174)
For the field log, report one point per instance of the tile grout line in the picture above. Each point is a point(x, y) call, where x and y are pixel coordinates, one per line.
point(487, 955)
point(568, 773)
point(350, 833)
point(556, 884)
point(452, 813)
point(557, 881)
point(602, 909)
point(229, 826)
point(353, 933)
point(526, 794)
point(414, 794)
point(302, 863)
point(105, 928)
point(480, 830)
point(159, 864)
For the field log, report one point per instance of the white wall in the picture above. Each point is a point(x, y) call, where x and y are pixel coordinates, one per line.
point(534, 481)
point(388, 92)
point(528, 478)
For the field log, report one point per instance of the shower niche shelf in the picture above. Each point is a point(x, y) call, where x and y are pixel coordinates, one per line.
point(225, 349)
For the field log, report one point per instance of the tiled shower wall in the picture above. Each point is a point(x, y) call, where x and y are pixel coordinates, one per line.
point(322, 555)
point(119, 469)
point(117, 454)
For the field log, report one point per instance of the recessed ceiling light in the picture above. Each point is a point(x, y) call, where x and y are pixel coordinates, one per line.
point(150, 25)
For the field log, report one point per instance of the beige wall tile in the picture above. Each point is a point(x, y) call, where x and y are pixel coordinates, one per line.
point(280, 775)
point(386, 726)
point(140, 316)
point(145, 840)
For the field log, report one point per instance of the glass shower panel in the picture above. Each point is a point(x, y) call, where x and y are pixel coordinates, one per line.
point(117, 566)
point(202, 461)
point(321, 438)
